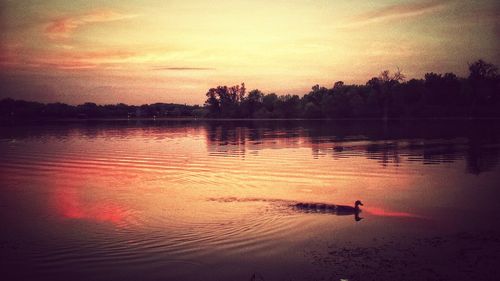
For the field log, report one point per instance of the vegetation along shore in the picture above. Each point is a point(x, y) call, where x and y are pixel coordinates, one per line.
point(389, 95)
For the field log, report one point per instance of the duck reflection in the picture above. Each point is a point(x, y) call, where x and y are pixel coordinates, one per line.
point(339, 210)
point(382, 212)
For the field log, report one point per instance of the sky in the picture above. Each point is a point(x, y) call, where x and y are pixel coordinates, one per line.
point(150, 51)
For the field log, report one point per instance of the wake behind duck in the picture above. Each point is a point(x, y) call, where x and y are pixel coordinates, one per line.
point(339, 210)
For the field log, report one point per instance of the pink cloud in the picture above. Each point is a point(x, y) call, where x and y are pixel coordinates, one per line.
point(16, 56)
point(62, 28)
point(84, 60)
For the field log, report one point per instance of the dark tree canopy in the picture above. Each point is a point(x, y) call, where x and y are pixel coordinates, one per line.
point(387, 95)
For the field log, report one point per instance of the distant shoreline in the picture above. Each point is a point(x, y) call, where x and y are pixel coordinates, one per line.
point(38, 119)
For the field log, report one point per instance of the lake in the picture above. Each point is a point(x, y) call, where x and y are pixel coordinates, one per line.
point(216, 200)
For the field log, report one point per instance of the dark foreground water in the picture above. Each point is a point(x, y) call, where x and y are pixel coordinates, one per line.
point(196, 200)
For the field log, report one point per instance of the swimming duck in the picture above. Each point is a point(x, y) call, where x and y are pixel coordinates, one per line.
point(339, 210)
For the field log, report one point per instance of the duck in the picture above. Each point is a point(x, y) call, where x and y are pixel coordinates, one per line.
point(339, 210)
point(349, 209)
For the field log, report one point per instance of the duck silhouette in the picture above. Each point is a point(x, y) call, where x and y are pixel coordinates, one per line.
point(339, 210)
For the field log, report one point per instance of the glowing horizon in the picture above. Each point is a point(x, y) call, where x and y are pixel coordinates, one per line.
point(173, 51)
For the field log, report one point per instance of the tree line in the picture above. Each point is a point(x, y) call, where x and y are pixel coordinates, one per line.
point(19, 109)
point(388, 95)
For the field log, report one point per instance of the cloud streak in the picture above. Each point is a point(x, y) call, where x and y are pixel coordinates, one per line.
point(399, 11)
point(62, 28)
point(184, 68)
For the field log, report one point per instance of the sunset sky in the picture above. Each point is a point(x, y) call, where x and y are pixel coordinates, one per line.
point(172, 51)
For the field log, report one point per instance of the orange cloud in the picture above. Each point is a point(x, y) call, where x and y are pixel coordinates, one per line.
point(399, 11)
point(62, 28)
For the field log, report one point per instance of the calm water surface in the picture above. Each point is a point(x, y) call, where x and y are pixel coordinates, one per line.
point(197, 200)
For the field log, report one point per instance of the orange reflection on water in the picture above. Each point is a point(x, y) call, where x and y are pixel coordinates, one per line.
point(386, 213)
point(71, 206)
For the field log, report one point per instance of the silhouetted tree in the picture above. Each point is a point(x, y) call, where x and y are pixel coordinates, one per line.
point(224, 101)
point(384, 85)
point(252, 103)
point(269, 101)
point(485, 89)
